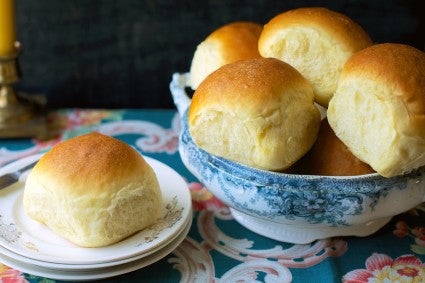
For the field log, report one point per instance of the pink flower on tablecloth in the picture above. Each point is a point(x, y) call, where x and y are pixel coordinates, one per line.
point(382, 268)
point(10, 275)
point(401, 229)
point(417, 233)
point(203, 199)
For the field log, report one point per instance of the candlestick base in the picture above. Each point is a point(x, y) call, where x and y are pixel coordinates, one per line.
point(24, 119)
point(20, 115)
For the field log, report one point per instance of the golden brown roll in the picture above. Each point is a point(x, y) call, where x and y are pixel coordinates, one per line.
point(259, 112)
point(378, 109)
point(229, 43)
point(93, 190)
point(330, 157)
point(317, 42)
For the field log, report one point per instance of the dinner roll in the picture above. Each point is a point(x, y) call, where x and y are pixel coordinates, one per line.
point(378, 109)
point(229, 43)
point(93, 190)
point(259, 112)
point(317, 42)
point(330, 157)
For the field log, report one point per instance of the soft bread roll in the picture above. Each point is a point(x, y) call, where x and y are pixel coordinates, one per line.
point(259, 112)
point(229, 43)
point(93, 190)
point(331, 157)
point(378, 110)
point(317, 42)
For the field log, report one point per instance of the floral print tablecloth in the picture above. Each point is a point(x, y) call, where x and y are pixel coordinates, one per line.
point(217, 248)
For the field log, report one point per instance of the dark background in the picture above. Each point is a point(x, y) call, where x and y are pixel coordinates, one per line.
point(121, 54)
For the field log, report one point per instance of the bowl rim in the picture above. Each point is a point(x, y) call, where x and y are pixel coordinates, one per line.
point(224, 163)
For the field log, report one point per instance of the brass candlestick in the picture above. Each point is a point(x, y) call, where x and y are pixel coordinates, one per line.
point(20, 115)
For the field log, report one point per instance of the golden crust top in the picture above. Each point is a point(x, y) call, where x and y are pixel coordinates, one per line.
point(344, 29)
point(260, 82)
point(91, 162)
point(238, 40)
point(397, 65)
point(227, 44)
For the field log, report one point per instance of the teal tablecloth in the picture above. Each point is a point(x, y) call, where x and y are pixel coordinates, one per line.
point(217, 248)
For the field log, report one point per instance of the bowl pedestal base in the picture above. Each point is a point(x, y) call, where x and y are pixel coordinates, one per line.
point(295, 234)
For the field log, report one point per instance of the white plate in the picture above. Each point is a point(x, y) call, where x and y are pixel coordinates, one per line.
point(102, 273)
point(95, 266)
point(26, 237)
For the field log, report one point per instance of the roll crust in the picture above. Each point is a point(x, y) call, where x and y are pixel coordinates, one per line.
point(259, 112)
point(229, 43)
point(329, 156)
point(378, 109)
point(317, 42)
point(93, 190)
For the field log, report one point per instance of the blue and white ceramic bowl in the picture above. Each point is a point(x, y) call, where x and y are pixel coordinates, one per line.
point(297, 208)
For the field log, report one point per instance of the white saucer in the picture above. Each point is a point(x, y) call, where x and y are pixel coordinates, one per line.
point(28, 238)
point(97, 273)
point(95, 266)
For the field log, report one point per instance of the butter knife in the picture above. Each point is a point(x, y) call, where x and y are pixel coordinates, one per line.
point(13, 177)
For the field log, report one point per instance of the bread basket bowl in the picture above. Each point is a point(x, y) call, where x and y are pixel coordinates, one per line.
point(296, 208)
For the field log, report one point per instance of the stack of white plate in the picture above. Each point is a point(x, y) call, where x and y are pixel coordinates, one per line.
point(31, 247)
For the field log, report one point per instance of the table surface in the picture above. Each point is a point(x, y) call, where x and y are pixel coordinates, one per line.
point(217, 248)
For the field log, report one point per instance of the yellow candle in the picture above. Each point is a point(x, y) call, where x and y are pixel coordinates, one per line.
point(7, 27)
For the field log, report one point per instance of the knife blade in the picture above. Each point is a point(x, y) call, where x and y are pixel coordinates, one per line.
point(13, 177)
